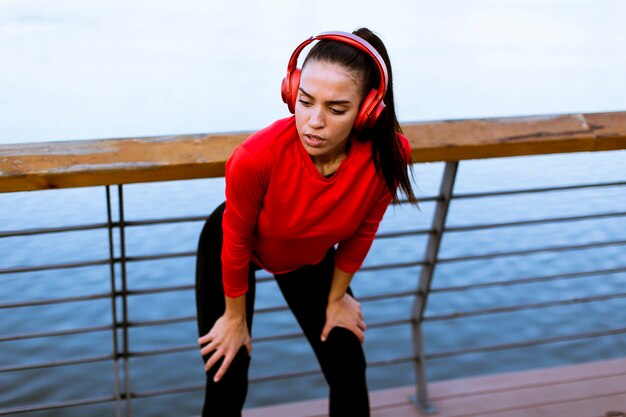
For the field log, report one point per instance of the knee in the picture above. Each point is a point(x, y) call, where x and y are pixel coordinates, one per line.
point(347, 359)
point(237, 372)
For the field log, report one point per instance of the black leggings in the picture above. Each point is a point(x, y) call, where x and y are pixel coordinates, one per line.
point(306, 292)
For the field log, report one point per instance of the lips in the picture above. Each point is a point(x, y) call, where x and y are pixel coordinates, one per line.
point(313, 141)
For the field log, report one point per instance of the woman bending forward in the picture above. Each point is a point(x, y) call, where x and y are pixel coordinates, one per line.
point(304, 198)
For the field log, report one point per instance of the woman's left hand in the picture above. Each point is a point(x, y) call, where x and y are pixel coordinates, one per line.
point(344, 312)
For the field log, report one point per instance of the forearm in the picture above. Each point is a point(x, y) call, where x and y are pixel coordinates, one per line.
point(340, 283)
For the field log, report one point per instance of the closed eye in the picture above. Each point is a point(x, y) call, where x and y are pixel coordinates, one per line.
point(337, 112)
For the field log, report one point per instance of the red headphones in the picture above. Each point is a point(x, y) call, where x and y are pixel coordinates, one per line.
point(373, 104)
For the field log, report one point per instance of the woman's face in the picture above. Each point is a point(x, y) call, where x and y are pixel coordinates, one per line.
point(327, 105)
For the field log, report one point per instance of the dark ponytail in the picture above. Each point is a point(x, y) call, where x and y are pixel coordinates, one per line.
point(387, 151)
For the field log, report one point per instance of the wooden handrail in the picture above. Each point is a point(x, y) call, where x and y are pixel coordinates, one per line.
point(49, 165)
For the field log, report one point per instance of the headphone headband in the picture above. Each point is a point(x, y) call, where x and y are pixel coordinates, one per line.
point(350, 39)
point(372, 105)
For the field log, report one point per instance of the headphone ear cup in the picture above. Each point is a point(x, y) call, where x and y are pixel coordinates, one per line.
point(369, 112)
point(289, 89)
point(283, 89)
point(375, 114)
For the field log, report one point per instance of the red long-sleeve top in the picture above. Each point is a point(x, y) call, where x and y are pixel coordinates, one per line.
point(282, 213)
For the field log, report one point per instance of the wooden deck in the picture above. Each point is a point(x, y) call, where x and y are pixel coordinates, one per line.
point(595, 389)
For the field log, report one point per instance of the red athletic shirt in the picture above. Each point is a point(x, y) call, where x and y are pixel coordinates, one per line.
point(283, 214)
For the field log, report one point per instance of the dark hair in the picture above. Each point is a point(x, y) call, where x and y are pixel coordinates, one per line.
point(387, 151)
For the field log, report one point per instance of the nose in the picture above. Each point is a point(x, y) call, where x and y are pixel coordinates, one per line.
point(316, 119)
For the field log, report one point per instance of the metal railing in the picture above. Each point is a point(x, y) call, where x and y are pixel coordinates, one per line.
point(120, 293)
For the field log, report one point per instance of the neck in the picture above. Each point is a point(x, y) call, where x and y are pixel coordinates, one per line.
point(327, 164)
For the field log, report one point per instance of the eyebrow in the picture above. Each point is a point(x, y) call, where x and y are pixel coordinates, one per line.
point(331, 102)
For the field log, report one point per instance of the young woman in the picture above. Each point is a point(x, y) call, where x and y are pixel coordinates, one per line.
point(304, 198)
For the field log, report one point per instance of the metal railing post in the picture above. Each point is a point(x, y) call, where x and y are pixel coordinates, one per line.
point(124, 293)
point(421, 399)
point(116, 368)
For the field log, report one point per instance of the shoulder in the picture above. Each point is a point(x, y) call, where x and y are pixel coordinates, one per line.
point(255, 154)
point(274, 135)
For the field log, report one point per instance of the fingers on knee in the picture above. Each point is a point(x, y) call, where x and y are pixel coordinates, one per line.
point(343, 337)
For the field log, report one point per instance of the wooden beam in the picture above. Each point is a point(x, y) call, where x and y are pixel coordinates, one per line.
point(38, 166)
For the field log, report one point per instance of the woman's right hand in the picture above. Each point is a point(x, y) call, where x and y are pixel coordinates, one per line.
point(228, 335)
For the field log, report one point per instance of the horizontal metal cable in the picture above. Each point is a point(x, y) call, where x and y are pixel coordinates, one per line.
point(388, 296)
point(392, 266)
point(161, 322)
point(263, 310)
point(260, 379)
point(376, 325)
point(278, 337)
point(373, 297)
point(390, 362)
point(313, 372)
point(116, 224)
point(388, 323)
point(45, 230)
point(156, 290)
point(52, 364)
point(95, 226)
point(165, 220)
point(530, 280)
point(364, 268)
point(171, 255)
point(60, 300)
point(527, 343)
point(423, 199)
point(261, 339)
point(56, 405)
point(167, 391)
point(169, 220)
point(70, 265)
point(533, 251)
point(67, 265)
point(178, 288)
point(140, 258)
point(456, 229)
point(522, 307)
point(259, 280)
point(182, 319)
point(403, 233)
point(538, 190)
point(271, 309)
point(97, 262)
point(285, 375)
point(264, 279)
point(67, 332)
point(145, 323)
point(163, 351)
